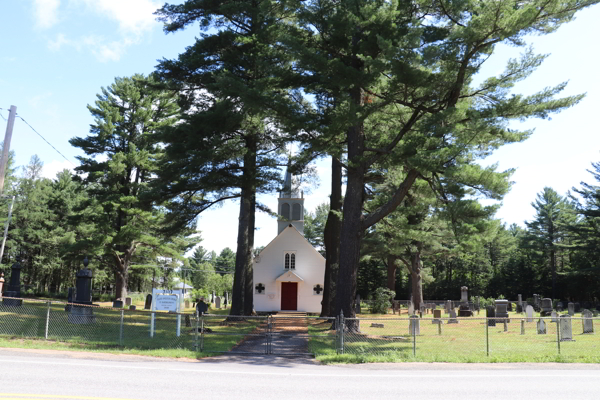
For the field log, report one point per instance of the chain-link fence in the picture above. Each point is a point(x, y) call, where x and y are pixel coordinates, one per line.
point(517, 338)
point(471, 339)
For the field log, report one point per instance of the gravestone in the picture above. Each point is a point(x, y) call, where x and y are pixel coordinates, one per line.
point(520, 300)
point(201, 307)
point(437, 314)
point(83, 314)
point(501, 309)
point(415, 326)
point(577, 308)
point(553, 315)
point(587, 321)
point(448, 306)
point(14, 287)
point(411, 308)
point(127, 301)
point(546, 307)
point(520, 308)
point(452, 319)
point(118, 303)
point(463, 309)
point(510, 306)
point(536, 302)
point(541, 327)
point(566, 331)
point(529, 313)
point(422, 308)
point(132, 308)
point(148, 302)
point(477, 305)
point(490, 313)
point(560, 307)
point(218, 302)
point(571, 308)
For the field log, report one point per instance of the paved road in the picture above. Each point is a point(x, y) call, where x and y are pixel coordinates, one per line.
point(53, 375)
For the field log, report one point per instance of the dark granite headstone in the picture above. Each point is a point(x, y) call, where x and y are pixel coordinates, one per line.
point(577, 307)
point(118, 304)
point(14, 287)
point(70, 298)
point(201, 307)
point(132, 308)
point(83, 313)
point(148, 303)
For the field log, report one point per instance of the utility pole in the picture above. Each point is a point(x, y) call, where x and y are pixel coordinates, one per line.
point(6, 148)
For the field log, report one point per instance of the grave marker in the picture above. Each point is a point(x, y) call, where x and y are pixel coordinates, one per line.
point(437, 314)
point(529, 313)
point(571, 308)
point(553, 315)
point(452, 319)
point(127, 301)
point(415, 326)
point(490, 313)
point(148, 302)
point(587, 321)
point(541, 327)
point(546, 307)
point(566, 332)
point(218, 302)
point(501, 309)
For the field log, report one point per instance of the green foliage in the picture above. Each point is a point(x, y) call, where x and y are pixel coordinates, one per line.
point(381, 300)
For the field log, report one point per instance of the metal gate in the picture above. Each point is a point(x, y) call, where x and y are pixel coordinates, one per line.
point(282, 334)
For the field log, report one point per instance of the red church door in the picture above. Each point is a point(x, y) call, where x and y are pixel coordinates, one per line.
point(289, 296)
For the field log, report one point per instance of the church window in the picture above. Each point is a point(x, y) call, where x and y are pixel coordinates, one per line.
point(285, 211)
point(296, 212)
point(290, 260)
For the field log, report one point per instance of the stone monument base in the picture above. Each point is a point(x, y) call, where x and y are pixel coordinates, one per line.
point(12, 302)
point(81, 315)
point(464, 311)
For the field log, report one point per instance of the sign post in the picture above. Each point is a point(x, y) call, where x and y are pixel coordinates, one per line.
point(166, 300)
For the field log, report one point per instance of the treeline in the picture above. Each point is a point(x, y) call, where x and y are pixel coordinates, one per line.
point(555, 255)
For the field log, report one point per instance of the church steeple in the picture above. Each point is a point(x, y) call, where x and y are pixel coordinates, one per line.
point(291, 206)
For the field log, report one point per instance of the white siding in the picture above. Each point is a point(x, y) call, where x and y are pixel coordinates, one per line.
point(310, 266)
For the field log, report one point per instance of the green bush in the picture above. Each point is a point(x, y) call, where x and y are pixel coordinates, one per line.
point(381, 301)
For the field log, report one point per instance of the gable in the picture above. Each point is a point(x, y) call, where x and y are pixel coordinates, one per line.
point(289, 234)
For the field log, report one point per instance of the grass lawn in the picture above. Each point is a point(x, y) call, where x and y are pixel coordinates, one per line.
point(462, 342)
point(25, 327)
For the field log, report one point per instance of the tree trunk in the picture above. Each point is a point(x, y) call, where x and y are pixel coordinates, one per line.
point(352, 230)
point(243, 256)
point(249, 284)
point(391, 272)
point(331, 240)
point(121, 277)
point(417, 281)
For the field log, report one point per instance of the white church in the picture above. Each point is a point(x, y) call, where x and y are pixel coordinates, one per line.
point(289, 271)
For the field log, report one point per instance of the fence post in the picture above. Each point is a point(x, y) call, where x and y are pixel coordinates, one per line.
point(121, 328)
point(440, 327)
point(342, 323)
point(487, 337)
point(413, 324)
point(202, 333)
point(47, 320)
point(196, 333)
point(558, 334)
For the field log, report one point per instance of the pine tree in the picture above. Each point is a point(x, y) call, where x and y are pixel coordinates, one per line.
point(120, 163)
point(397, 77)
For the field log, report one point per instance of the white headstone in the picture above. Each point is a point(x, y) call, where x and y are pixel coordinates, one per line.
point(414, 327)
point(587, 321)
point(566, 332)
point(553, 314)
point(529, 313)
point(411, 308)
point(571, 308)
point(541, 327)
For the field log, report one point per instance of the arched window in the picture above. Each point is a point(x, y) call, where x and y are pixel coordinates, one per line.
point(287, 261)
point(296, 212)
point(285, 211)
point(293, 261)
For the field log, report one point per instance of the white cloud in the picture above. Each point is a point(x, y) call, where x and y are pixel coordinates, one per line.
point(55, 45)
point(54, 167)
point(133, 16)
point(46, 13)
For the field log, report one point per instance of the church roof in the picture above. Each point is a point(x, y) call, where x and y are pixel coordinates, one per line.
point(291, 228)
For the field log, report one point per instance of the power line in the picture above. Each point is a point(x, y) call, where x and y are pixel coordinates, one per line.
point(50, 144)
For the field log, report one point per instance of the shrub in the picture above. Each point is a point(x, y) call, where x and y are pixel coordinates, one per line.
point(381, 301)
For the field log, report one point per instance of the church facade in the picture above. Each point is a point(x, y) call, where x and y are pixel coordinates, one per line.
point(289, 272)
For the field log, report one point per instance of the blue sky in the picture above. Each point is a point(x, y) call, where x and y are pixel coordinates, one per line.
point(57, 54)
